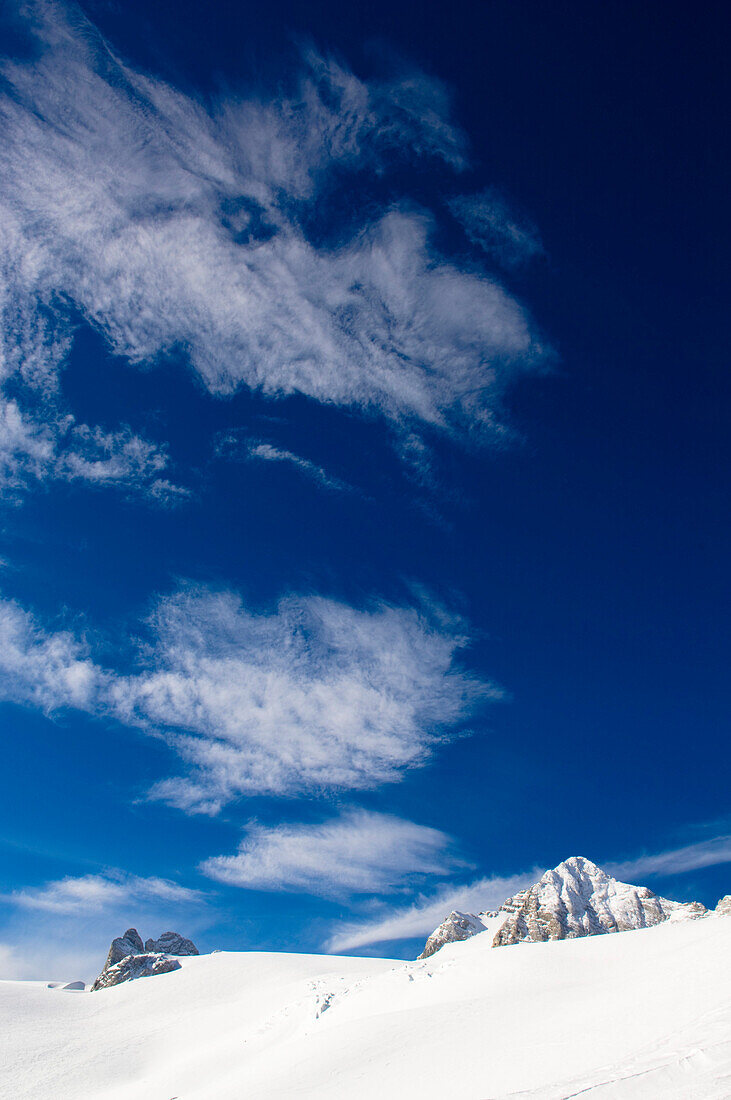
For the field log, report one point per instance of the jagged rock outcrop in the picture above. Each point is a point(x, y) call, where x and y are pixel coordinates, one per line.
point(172, 943)
point(723, 909)
point(577, 899)
point(127, 951)
point(135, 966)
point(458, 926)
point(128, 944)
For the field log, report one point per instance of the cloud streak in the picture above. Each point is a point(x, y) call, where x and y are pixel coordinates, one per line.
point(675, 861)
point(230, 446)
point(489, 222)
point(358, 852)
point(265, 452)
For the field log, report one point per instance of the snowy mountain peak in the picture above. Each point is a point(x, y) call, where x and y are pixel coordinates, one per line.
point(580, 866)
point(576, 898)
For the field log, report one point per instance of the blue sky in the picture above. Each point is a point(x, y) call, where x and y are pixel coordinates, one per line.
point(364, 466)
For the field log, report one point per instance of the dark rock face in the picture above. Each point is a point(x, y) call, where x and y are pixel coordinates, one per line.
point(135, 966)
point(172, 943)
point(128, 944)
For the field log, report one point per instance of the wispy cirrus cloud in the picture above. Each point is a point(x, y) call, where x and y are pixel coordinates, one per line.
point(420, 918)
point(177, 226)
point(675, 861)
point(314, 695)
point(114, 889)
point(38, 447)
point(48, 669)
point(489, 221)
point(232, 446)
point(358, 852)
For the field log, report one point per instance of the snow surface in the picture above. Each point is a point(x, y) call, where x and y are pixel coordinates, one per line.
point(642, 1014)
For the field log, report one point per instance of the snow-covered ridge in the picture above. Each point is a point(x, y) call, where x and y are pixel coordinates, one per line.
point(575, 899)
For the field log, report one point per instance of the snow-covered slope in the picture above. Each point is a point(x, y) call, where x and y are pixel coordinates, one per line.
point(643, 1015)
point(575, 899)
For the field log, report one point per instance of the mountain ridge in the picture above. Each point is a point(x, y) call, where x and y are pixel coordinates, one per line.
point(574, 899)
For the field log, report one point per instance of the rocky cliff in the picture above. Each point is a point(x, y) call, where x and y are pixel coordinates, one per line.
point(128, 944)
point(457, 926)
point(129, 958)
point(135, 966)
point(172, 943)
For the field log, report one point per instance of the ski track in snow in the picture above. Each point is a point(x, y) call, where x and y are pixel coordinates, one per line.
point(615, 1017)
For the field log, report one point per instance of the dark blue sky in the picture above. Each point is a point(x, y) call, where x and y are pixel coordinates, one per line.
point(409, 316)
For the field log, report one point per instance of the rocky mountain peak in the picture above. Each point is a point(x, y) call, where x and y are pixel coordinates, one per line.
point(128, 944)
point(129, 958)
point(172, 943)
point(576, 898)
point(457, 926)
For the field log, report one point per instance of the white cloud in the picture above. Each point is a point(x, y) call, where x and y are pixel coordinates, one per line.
point(171, 225)
point(489, 221)
point(675, 861)
point(27, 448)
point(48, 670)
point(266, 452)
point(313, 696)
point(114, 889)
point(358, 852)
point(47, 444)
point(425, 914)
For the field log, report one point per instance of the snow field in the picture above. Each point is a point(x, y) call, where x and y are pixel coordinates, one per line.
point(636, 1014)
